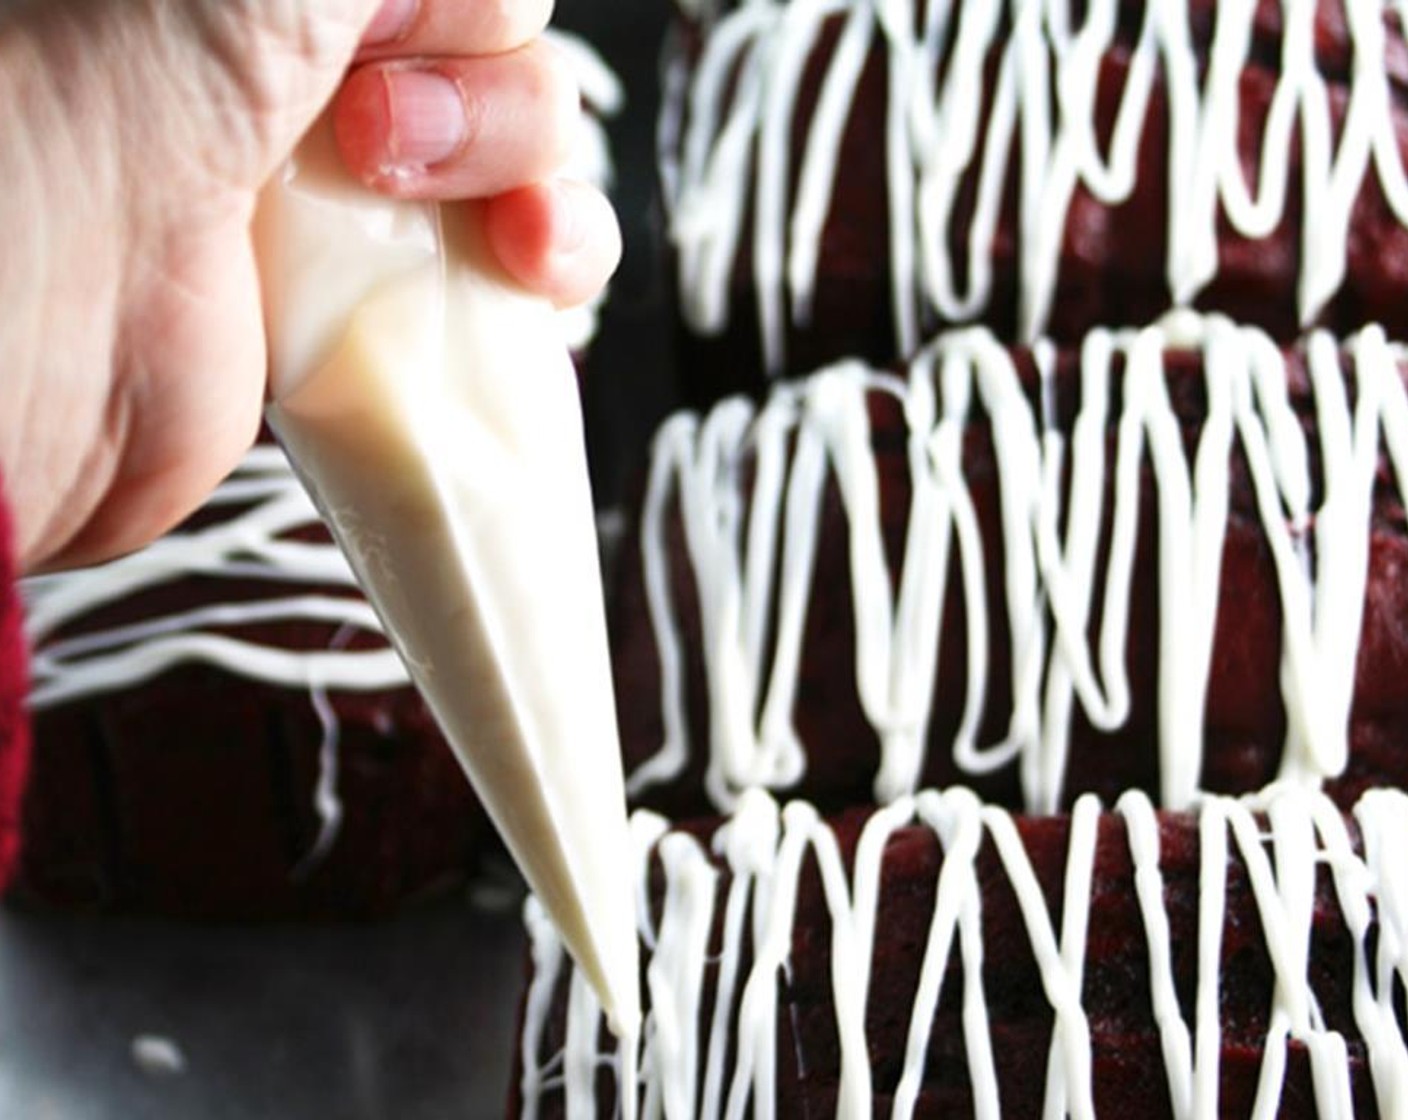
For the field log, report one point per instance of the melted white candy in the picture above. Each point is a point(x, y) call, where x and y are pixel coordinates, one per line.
point(764, 851)
point(252, 544)
point(755, 586)
point(728, 134)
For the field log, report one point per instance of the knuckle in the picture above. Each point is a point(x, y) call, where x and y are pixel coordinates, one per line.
point(510, 24)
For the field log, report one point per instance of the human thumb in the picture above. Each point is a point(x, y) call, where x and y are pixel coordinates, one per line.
point(265, 69)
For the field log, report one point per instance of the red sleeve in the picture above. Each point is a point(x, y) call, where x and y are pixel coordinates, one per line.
point(14, 719)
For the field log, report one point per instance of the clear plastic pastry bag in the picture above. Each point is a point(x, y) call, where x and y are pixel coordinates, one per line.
point(430, 406)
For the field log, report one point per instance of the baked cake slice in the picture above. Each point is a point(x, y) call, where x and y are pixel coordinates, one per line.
point(943, 957)
point(844, 178)
point(1170, 559)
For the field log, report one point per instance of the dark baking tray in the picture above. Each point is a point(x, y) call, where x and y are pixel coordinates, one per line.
point(410, 1019)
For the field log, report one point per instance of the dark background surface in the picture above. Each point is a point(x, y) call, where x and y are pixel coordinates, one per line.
point(413, 1018)
point(629, 385)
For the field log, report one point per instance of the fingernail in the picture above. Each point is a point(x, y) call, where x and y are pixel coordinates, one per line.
point(428, 123)
point(391, 22)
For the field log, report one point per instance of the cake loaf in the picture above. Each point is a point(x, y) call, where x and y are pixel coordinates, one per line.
point(1172, 559)
point(940, 957)
point(222, 729)
point(1097, 501)
point(844, 178)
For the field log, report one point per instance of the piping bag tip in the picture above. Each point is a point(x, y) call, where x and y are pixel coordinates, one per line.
point(431, 409)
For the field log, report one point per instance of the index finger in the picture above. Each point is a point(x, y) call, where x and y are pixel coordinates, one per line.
point(453, 27)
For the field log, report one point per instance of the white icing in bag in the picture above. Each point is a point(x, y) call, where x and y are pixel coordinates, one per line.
point(431, 408)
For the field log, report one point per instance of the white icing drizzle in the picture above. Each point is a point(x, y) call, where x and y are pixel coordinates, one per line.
point(252, 545)
point(1282, 837)
point(740, 110)
point(549, 955)
point(326, 802)
point(255, 545)
point(754, 586)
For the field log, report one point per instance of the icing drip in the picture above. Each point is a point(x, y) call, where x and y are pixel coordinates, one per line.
point(1281, 838)
point(751, 550)
point(740, 113)
point(326, 802)
point(578, 1064)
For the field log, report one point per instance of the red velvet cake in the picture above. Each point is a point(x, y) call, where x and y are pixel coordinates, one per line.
point(1171, 559)
point(846, 178)
point(1084, 557)
point(940, 957)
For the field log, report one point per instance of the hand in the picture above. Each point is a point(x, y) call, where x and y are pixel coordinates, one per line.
point(136, 138)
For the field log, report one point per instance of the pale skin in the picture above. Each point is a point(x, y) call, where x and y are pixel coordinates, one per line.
point(136, 137)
